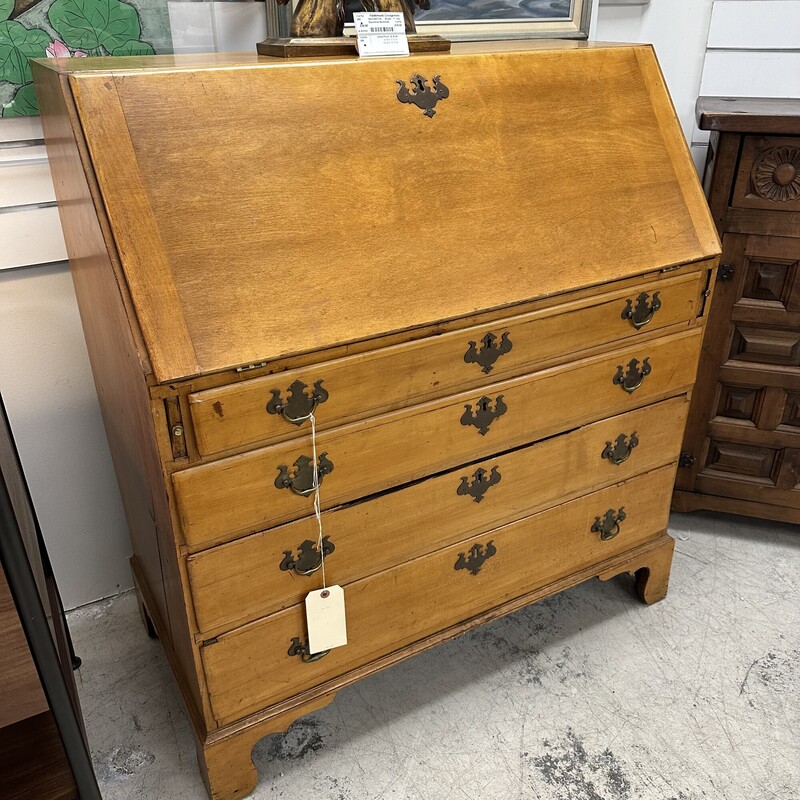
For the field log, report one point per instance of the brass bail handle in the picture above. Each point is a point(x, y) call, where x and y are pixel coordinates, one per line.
point(641, 311)
point(300, 478)
point(309, 557)
point(299, 405)
point(608, 525)
point(299, 648)
point(304, 417)
point(632, 377)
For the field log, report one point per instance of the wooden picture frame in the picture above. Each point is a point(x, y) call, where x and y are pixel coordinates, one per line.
point(570, 24)
point(540, 19)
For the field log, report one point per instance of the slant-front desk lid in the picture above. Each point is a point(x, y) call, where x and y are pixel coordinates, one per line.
point(262, 208)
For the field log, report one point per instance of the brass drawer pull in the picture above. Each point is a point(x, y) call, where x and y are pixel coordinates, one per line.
point(301, 479)
point(300, 406)
point(608, 526)
point(619, 451)
point(299, 648)
point(631, 379)
point(640, 314)
point(481, 481)
point(308, 560)
point(478, 554)
point(490, 351)
point(485, 414)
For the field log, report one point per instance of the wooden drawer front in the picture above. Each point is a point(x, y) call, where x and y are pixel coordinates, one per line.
point(366, 384)
point(239, 494)
point(250, 668)
point(243, 580)
point(769, 174)
point(767, 290)
point(749, 470)
point(765, 345)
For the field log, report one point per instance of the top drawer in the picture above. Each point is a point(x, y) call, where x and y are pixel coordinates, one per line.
point(356, 387)
point(769, 174)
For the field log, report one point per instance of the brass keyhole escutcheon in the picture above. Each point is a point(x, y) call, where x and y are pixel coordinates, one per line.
point(474, 559)
point(485, 413)
point(490, 350)
point(481, 482)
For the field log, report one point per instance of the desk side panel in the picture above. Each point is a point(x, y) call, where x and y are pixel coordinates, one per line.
point(120, 369)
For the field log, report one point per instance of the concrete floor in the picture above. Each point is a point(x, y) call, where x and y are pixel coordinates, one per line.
point(586, 696)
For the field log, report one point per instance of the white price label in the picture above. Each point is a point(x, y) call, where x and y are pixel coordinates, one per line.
point(380, 33)
point(327, 626)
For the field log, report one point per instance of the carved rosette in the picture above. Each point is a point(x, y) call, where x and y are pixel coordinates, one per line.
point(776, 174)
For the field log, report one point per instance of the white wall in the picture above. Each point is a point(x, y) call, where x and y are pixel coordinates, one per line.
point(748, 48)
point(678, 29)
point(753, 51)
point(46, 382)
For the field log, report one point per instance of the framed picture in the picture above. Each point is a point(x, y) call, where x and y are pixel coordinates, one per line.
point(72, 29)
point(464, 20)
point(461, 20)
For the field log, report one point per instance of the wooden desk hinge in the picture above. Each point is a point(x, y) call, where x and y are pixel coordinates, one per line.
point(177, 434)
point(726, 272)
point(705, 294)
point(249, 367)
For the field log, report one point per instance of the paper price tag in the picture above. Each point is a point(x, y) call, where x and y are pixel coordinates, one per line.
point(380, 33)
point(327, 626)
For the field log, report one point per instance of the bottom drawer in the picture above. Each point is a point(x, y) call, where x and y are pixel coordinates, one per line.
point(250, 668)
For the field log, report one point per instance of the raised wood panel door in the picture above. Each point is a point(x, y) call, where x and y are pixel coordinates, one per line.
point(744, 435)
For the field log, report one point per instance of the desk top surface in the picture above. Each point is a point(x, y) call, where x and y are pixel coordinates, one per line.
point(263, 208)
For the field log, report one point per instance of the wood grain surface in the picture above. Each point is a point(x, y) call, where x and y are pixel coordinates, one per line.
point(21, 696)
point(363, 385)
point(249, 668)
point(238, 494)
point(242, 580)
point(743, 432)
point(352, 242)
point(746, 114)
point(120, 368)
point(292, 217)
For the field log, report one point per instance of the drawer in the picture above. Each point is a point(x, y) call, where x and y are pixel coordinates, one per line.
point(769, 174)
point(253, 577)
point(370, 383)
point(759, 472)
point(250, 668)
point(241, 494)
point(764, 345)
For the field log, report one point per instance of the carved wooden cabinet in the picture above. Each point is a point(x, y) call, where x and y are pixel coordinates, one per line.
point(494, 304)
point(742, 447)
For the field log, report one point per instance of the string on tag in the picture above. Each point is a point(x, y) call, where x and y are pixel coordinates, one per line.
point(317, 513)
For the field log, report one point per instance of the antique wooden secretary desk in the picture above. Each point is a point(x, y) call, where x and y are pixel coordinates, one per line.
point(494, 303)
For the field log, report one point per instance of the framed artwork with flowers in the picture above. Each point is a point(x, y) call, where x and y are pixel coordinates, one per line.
point(72, 29)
